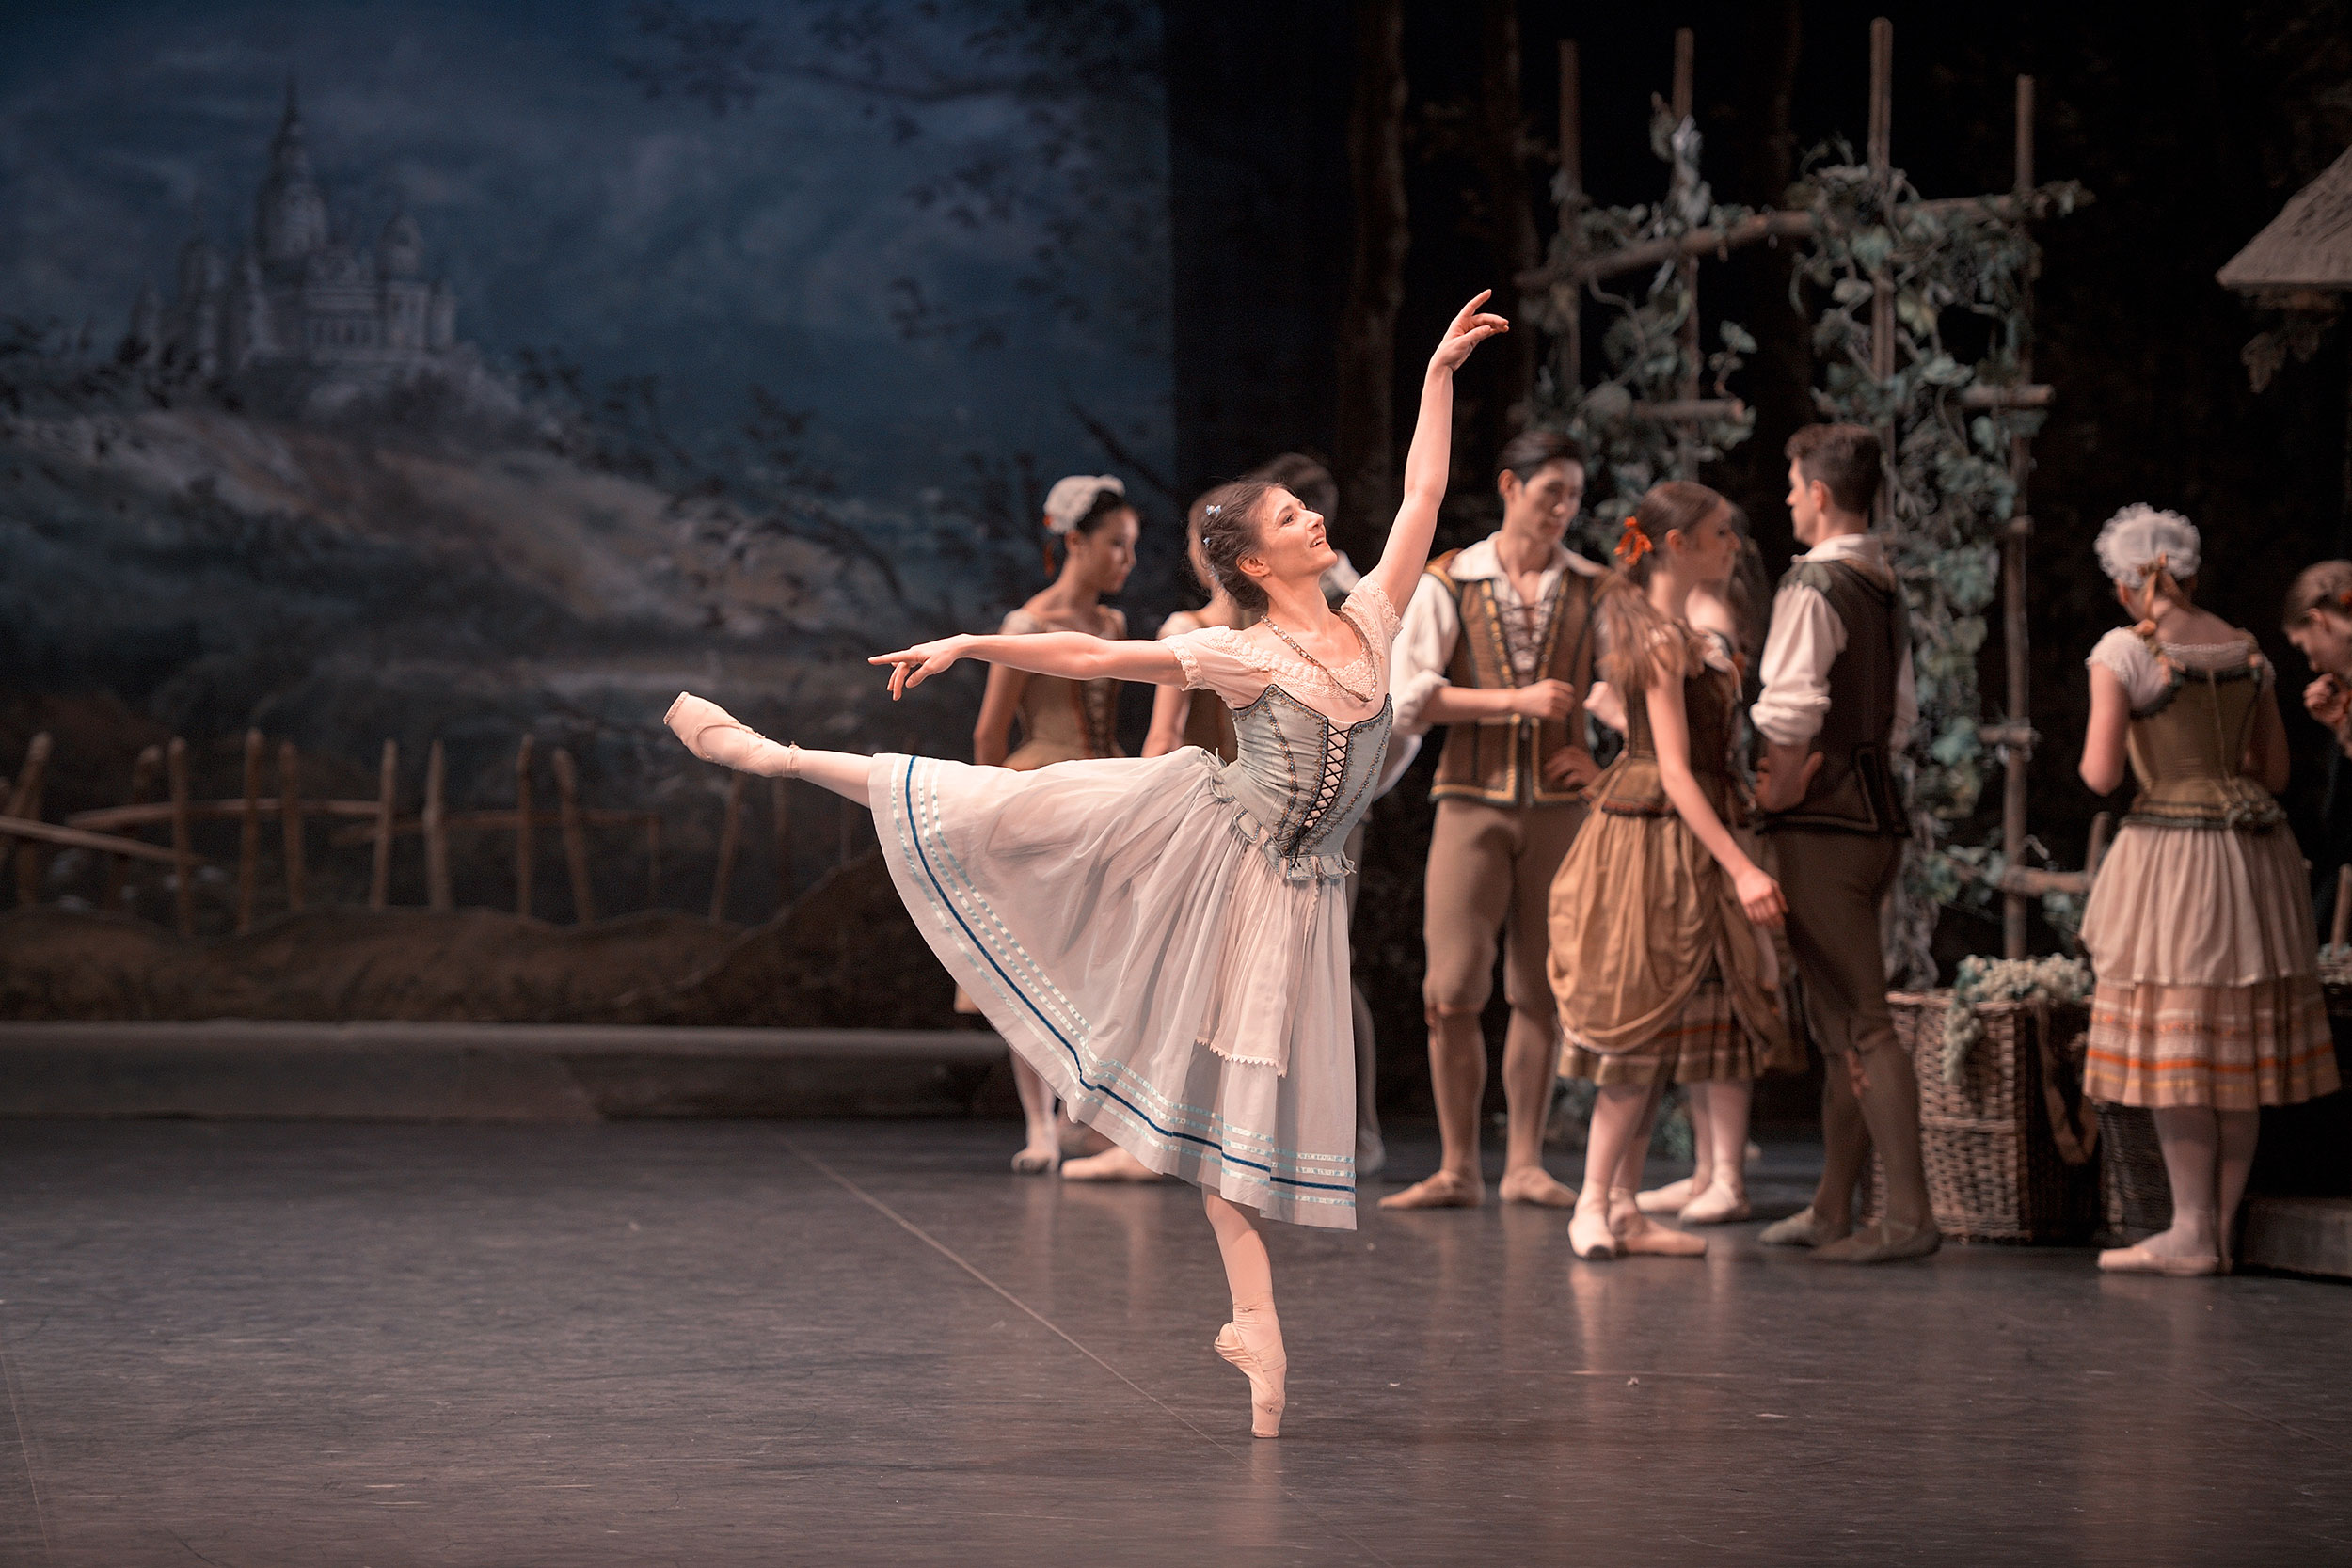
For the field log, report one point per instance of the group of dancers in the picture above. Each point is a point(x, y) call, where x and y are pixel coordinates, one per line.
point(1163, 941)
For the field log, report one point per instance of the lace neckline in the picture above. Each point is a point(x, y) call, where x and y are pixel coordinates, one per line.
point(1256, 652)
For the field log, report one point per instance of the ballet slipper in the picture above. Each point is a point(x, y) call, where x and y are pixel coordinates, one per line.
point(1802, 1228)
point(714, 734)
point(1076, 1139)
point(1590, 1237)
point(2137, 1258)
point(1754, 1155)
point(1372, 1155)
point(1718, 1205)
point(1037, 1160)
point(1637, 1235)
point(1266, 1367)
point(1533, 1184)
point(1667, 1199)
point(1443, 1190)
point(1883, 1241)
point(1112, 1164)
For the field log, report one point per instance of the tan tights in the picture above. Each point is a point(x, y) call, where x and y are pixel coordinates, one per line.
point(2207, 1155)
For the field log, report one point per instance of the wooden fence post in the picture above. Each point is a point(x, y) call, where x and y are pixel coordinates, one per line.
point(2015, 540)
point(436, 827)
point(1882, 158)
point(183, 838)
point(143, 774)
point(289, 818)
point(780, 824)
point(730, 836)
point(575, 837)
point(25, 802)
point(250, 835)
point(387, 783)
point(1570, 300)
point(524, 839)
point(653, 859)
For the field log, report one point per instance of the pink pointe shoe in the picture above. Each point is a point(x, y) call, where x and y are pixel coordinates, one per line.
point(1265, 1372)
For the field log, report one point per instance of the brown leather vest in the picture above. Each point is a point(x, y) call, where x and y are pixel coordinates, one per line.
point(1855, 790)
point(1500, 761)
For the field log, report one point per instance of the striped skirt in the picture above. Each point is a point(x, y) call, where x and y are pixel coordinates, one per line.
point(1703, 1042)
point(2233, 1047)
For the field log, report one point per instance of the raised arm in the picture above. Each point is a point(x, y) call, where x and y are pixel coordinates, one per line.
point(1407, 550)
point(1071, 654)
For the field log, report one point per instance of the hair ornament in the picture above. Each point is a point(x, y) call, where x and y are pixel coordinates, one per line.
point(1072, 497)
point(1215, 507)
point(1632, 544)
point(2140, 543)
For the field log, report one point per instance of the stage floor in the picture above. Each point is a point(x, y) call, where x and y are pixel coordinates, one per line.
point(852, 1342)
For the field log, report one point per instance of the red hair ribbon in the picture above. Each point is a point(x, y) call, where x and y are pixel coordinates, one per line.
point(1632, 544)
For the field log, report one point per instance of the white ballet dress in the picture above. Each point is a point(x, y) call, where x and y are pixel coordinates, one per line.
point(1165, 939)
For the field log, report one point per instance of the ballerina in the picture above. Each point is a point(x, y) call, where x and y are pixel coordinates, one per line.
point(1164, 938)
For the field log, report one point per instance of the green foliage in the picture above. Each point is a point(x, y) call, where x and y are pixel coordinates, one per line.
point(2049, 979)
point(1956, 270)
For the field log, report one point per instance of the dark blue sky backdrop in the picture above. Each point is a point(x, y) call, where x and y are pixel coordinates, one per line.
point(972, 156)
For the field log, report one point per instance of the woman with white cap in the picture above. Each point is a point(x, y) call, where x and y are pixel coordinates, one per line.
point(2208, 1005)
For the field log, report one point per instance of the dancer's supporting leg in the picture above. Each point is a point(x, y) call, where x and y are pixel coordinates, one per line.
point(1531, 1046)
point(1670, 1199)
point(2191, 1139)
point(1636, 1232)
point(1467, 894)
point(1253, 1339)
point(2239, 1131)
point(1042, 1149)
point(1618, 1112)
point(1719, 1129)
point(1888, 1092)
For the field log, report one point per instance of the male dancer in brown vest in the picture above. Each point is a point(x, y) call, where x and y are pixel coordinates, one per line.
point(1838, 707)
point(1497, 645)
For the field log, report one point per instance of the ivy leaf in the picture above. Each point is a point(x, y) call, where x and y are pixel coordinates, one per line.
point(1850, 291)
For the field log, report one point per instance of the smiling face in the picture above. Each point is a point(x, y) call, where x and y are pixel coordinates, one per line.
point(1291, 544)
point(1102, 559)
point(1542, 506)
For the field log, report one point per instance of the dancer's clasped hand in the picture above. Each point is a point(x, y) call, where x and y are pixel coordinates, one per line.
point(911, 667)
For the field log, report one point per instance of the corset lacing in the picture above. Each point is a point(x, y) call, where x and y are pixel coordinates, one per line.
point(1327, 786)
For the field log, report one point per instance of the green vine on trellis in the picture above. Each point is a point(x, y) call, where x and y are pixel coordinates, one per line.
point(1949, 486)
point(1642, 346)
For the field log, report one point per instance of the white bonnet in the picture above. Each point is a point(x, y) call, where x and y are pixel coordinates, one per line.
point(1070, 499)
point(2136, 538)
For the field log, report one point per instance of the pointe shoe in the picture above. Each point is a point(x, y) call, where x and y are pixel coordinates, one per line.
point(1112, 1164)
point(1718, 1205)
point(1037, 1160)
point(2137, 1258)
point(1883, 1241)
point(1590, 1237)
point(1443, 1190)
point(1640, 1236)
point(1667, 1200)
point(692, 718)
point(1802, 1228)
point(1533, 1184)
point(1265, 1379)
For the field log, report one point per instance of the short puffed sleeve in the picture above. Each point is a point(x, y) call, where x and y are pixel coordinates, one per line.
point(1214, 660)
point(1375, 614)
point(2125, 654)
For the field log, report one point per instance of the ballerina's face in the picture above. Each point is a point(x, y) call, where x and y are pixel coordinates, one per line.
point(1290, 543)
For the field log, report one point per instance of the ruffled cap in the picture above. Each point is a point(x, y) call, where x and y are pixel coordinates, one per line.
point(1070, 499)
point(2140, 538)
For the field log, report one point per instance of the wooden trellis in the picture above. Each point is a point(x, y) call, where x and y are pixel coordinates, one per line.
point(1566, 281)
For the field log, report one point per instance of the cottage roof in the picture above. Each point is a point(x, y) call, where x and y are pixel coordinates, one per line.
point(2308, 246)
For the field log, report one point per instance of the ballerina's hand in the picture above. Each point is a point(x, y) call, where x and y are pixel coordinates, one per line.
point(1761, 897)
point(913, 666)
point(1470, 327)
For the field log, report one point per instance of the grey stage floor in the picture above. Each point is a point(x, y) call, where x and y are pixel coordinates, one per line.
point(866, 1343)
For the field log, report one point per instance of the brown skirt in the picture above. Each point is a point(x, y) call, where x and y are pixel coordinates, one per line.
point(1706, 1043)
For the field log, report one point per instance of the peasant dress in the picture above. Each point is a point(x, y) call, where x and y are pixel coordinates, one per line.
point(2198, 928)
point(1062, 721)
point(1165, 939)
point(1660, 978)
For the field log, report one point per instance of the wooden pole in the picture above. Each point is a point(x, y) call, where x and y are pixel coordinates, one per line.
point(653, 861)
point(183, 838)
point(525, 843)
point(2340, 927)
point(289, 818)
point(730, 838)
point(436, 825)
point(780, 824)
point(1686, 62)
point(249, 833)
point(24, 802)
point(143, 775)
point(1570, 297)
point(2017, 770)
point(387, 785)
point(1881, 157)
point(575, 837)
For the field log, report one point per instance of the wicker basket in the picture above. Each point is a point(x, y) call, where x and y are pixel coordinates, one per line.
point(2134, 1192)
point(1997, 1168)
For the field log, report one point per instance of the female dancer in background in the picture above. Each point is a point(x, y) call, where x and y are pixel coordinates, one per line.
point(1061, 721)
point(2199, 928)
point(1654, 960)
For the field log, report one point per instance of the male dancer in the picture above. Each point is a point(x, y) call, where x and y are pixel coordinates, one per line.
point(1837, 709)
point(2318, 621)
point(1498, 645)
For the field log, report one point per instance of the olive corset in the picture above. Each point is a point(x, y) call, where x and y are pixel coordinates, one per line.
point(1710, 706)
point(2187, 747)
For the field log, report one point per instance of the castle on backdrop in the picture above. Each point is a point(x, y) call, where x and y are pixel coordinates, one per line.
point(296, 295)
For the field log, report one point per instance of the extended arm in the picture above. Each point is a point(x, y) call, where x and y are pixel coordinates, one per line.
point(1670, 732)
point(1071, 654)
point(1407, 550)
point(2110, 722)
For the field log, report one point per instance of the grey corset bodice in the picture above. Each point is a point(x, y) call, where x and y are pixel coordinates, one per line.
point(1301, 782)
